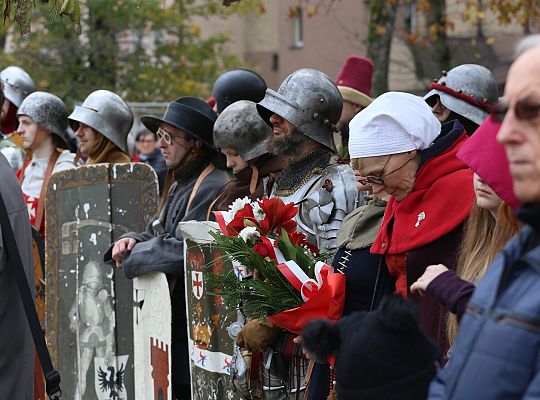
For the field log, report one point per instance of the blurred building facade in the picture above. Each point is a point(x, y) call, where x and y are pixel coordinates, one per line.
point(285, 37)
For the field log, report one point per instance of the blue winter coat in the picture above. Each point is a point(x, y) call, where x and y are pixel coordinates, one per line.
point(497, 352)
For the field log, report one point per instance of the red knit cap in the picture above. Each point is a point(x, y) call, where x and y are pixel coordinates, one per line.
point(354, 80)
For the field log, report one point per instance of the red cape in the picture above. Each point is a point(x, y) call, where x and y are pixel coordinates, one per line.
point(440, 201)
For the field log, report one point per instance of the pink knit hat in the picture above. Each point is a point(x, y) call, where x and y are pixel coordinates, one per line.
point(487, 158)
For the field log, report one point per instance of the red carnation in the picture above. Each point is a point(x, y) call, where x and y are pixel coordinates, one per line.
point(238, 223)
point(300, 239)
point(265, 249)
point(278, 215)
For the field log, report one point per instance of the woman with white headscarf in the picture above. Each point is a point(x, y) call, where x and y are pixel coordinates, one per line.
point(398, 146)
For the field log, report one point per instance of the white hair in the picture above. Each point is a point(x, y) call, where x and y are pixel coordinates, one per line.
point(526, 43)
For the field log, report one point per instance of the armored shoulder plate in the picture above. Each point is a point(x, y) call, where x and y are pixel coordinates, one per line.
point(332, 200)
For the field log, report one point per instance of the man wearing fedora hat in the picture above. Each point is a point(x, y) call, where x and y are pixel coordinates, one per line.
point(354, 84)
point(185, 138)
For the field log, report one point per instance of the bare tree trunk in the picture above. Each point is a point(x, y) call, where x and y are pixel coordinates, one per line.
point(437, 15)
point(381, 31)
point(437, 49)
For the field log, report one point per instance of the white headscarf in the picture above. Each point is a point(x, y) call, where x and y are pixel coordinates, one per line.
point(394, 123)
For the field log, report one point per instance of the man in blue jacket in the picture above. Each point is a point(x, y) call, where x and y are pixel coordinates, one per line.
point(497, 352)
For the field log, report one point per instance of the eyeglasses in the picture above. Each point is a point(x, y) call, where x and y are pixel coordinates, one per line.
point(167, 137)
point(524, 110)
point(146, 141)
point(379, 180)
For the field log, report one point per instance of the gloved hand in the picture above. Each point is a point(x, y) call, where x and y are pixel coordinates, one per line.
point(257, 336)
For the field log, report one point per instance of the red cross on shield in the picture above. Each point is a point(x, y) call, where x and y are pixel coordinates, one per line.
point(197, 284)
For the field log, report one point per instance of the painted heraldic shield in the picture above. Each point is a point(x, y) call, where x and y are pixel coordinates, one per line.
point(211, 347)
point(89, 305)
point(152, 325)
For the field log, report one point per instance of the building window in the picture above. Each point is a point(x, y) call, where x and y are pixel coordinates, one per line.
point(275, 62)
point(410, 16)
point(299, 28)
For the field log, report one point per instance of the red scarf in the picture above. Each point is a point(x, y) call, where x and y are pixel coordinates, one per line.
point(440, 201)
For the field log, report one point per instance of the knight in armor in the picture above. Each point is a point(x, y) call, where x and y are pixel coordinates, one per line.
point(16, 85)
point(467, 93)
point(185, 138)
point(235, 85)
point(303, 114)
point(43, 128)
point(354, 83)
point(242, 136)
point(102, 124)
point(91, 316)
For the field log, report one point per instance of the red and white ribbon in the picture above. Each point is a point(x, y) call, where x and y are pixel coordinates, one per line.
point(307, 286)
point(223, 218)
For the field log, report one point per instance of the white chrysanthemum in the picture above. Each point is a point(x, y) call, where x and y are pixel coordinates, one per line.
point(258, 212)
point(238, 204)
point(248, 233)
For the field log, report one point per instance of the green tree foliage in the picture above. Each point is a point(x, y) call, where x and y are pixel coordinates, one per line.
point(21, 12)
point(140, 49)
point(523, 12)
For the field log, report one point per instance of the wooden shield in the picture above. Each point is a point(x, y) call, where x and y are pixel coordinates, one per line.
point(89, 305)
point(152, 337)
point(211, 348)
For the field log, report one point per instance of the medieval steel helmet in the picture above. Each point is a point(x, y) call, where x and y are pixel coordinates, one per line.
point(309, 100)
point(48, 111)
point(240, 127)
point(469, 90)
point(238, 84)
point(108, 114)
point(16, 84)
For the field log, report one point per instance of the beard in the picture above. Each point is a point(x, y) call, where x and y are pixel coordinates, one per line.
point(288, 145)
point(343, 128)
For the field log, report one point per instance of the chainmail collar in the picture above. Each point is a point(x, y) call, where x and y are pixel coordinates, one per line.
point(190, 170)
point(299, 172)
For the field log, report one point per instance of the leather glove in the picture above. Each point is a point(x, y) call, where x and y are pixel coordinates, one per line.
point(257, 336)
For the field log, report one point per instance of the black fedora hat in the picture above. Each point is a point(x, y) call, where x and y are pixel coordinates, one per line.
point(190, 114)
